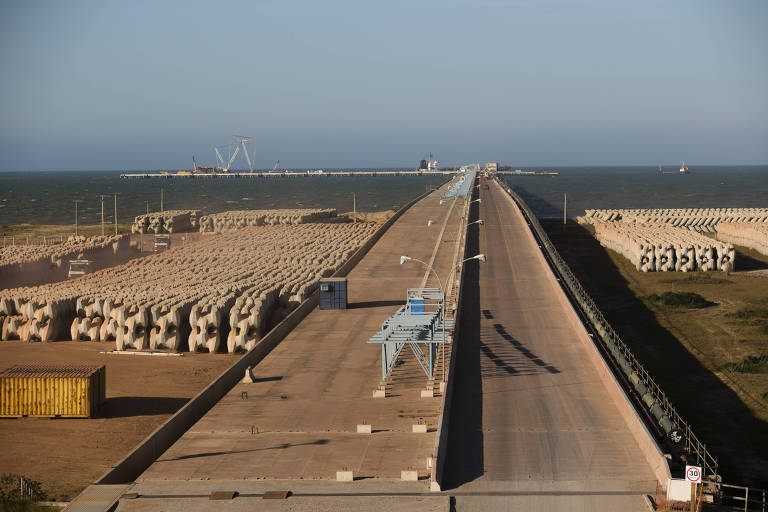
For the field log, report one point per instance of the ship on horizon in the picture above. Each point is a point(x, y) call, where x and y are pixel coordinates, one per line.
point(429, 165)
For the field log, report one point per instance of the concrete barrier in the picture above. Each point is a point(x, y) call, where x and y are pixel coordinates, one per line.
point(441, 439)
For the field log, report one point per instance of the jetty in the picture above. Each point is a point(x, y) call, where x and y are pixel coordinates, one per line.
point(526, 402)
point(286, 174)
point(317, 174)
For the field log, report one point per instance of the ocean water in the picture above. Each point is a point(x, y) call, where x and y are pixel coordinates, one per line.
point(47, 197)
point(643, 187)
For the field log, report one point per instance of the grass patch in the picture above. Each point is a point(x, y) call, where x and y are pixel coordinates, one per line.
point(750, 314)
point(701, 278)
point(679, 299)
point(13, 499)
point(752, 364)
point(757, 316)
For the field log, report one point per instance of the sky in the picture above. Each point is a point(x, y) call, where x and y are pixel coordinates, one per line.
point(129, 85)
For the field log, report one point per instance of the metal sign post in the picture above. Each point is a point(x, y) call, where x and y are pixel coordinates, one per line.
point(693, 475)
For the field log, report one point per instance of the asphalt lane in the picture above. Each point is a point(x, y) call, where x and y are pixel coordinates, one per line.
point(530, 412)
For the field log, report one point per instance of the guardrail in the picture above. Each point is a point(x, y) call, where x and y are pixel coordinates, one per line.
point(651, 395)
point(744, 498)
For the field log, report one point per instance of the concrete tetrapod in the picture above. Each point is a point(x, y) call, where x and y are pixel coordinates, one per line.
point(703, 220)
point(749, 234)
point(663, 247)
point(238, 219)
point(169, 221)
point(22, 265)
point(249, 279)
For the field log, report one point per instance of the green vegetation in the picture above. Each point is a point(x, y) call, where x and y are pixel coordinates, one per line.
point(756, 316)
point(752, 364)
point(18, 493)
point(679, 299)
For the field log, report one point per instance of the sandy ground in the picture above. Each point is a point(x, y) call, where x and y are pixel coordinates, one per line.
point(65, 455)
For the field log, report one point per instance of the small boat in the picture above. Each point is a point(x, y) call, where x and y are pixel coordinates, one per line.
point(684, 169)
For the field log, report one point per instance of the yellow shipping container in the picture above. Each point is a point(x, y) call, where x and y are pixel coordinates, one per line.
point(71, 391)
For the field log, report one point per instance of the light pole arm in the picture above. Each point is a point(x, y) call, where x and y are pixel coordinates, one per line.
point(439, 282)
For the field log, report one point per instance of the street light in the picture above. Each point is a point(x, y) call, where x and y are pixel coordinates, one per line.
point(476, 222)
point(476, 201)
point(479, 257)
point(403, 259)
point(430, 222)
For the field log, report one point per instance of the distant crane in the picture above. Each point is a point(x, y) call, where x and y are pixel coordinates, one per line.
point(275, 169)
point(240, 142)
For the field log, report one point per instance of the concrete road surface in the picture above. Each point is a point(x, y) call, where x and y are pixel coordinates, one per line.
point(530, 414)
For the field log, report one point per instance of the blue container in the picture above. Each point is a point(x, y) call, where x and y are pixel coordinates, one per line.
point(333, 293)
point(417, 305)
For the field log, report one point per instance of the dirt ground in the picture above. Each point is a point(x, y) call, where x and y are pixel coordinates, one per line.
point(688, 350)
point(36, 231)
point(65, 455)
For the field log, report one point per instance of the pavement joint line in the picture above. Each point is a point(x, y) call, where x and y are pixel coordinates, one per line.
point(437, 246)
point(400, 494)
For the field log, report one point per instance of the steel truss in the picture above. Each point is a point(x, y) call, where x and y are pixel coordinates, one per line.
point(419, 324)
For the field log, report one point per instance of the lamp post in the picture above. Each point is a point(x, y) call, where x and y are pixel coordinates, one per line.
point(476, 222)
point(480, 257)
point(403, 259)
point(76, 201)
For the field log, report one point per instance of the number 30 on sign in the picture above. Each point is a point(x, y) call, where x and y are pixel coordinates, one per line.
point(693, 474)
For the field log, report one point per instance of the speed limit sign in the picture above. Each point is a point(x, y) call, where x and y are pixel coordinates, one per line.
point(693, 474)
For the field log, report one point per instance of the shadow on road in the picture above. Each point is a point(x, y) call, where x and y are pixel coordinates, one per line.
point(464, 461)
point(375, 304)
point(508, 355)
point(282, 446)
point(125, 406)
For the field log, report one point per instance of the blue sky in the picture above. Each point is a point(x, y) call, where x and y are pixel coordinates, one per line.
point(144, 85)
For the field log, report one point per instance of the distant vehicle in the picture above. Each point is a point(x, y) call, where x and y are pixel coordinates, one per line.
point(162, 242)
point(79, 268)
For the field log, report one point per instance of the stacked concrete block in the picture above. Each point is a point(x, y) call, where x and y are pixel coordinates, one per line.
point(169, 221)
point(749, 234)
point(232, 220)
point(664, 248)
point(22, 265)
point(227, 288)
point(703, 220)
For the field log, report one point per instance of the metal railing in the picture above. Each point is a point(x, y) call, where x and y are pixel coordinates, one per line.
point(744, 498)
point(12, 241)
point(651, 394)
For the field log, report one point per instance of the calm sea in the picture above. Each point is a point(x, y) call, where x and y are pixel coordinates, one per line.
point(47, 197)
point(643, 187)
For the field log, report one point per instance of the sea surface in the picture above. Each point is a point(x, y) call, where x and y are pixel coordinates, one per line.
point(48, 197)
point(643, 187)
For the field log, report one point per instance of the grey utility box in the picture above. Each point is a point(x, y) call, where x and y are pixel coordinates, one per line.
point(333, 293)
